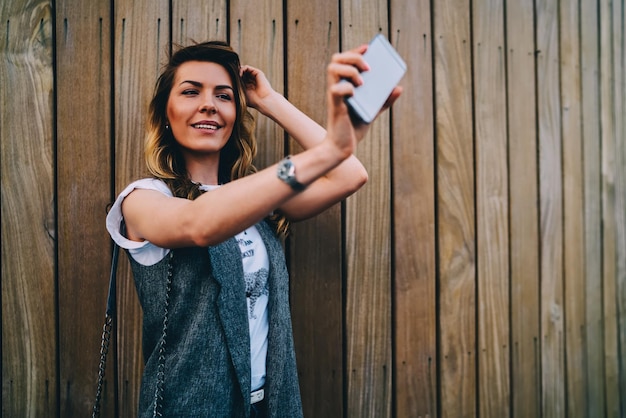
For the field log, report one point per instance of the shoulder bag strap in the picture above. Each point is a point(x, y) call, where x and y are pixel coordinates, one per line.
point(106, 330)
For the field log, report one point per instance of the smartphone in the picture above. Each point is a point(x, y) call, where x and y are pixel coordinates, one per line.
point(386, 70)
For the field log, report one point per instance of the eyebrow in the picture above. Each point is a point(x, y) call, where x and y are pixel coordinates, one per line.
point(198, 84)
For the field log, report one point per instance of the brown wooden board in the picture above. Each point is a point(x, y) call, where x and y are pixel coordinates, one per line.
point(573, 208)
point(456, 232)
point(524, 217)
point(368, 245)
point(619, 99)
point(314, 247)
point(413, 173)
point(609, 236)
point(199, 21)
point(590, 113)
point(551, 211)
point(29, 373)
point(83, 36)
point(257, 35)
point(492, 208)
point(141, 38)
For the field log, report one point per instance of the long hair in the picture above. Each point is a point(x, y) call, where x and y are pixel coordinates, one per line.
point(164, 158)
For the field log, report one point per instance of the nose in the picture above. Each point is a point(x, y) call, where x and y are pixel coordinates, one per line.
point(208, 106)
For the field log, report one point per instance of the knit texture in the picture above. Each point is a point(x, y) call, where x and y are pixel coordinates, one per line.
point(207, 366)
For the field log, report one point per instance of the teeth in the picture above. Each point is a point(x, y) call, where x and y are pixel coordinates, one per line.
point(203, 126)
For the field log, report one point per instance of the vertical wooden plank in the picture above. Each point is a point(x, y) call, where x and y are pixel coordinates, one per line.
point(609, 255)
point(83, 182)
point(199, 20)
point(257, 35)
point(492, 214)
point(314, 246)
point(619, 93)
point(455, 206)
point(415, 348)
point(368, 245)
point(590, 111)
point(551, 210)
point(141, 37)
point(29, 344)
point(524, 225)
point(573, 209)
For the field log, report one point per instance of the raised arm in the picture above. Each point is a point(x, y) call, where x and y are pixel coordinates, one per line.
point(348, 176)
point(327, 166)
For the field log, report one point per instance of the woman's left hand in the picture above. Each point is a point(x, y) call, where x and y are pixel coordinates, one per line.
point(257, 86)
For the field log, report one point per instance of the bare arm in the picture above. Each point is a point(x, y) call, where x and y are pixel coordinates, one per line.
point(327, 165)
point(327, 190)
point(218, 215)
point(348, 176)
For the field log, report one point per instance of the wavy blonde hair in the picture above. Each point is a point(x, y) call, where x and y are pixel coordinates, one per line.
point(164, 159)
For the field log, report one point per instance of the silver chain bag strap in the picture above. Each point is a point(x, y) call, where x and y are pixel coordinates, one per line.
point(109, 318)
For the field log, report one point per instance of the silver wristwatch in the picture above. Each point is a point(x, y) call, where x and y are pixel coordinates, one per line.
point(287, 173)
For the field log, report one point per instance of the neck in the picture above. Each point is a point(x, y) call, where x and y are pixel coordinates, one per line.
point(203, 170)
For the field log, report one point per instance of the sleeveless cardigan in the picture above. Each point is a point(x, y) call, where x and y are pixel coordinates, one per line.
point(207, 359)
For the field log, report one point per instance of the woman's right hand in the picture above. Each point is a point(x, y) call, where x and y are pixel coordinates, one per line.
point(343, 76)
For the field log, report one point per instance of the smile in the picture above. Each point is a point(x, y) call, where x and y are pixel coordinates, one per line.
point(205, 126)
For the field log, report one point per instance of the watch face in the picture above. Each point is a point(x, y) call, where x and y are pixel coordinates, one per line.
point(286, 169)
point(287, 173)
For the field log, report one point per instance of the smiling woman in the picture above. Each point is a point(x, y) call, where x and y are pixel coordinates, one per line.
point(203, 235)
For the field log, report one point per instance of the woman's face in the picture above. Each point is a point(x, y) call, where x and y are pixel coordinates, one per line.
point(201, 109)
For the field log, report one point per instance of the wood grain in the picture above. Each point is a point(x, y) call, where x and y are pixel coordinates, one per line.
point(609, 255)
point(573, 208)
point(368, 246)
point(199, 20)
point(524, 214)
point(492, 214)
point(456, 231)
point(413, 201)
point(315, 246)
point(257, 35)
point(619, 100)
point(29, 375)
point(551, 212)
point(83, 35)
point(590, 112)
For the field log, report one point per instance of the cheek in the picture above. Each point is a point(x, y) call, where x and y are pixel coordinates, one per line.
point(172, 113)
point(230, 112)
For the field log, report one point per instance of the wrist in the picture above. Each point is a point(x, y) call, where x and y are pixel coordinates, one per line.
point(270, 105)
point(330, 151)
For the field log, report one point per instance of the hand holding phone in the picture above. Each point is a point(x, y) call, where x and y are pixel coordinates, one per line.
point(386, 70)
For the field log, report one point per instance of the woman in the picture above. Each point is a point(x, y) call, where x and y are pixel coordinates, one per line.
point(203, 234)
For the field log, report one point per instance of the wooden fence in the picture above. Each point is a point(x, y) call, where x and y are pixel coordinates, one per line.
point(480, 273)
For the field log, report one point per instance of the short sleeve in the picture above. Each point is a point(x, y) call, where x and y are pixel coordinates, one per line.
point(144, 252)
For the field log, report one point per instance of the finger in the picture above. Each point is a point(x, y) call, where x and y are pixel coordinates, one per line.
point(249, 76)
point(338, 72)
point(360, 49)
point(341, 90)
point(352, 57)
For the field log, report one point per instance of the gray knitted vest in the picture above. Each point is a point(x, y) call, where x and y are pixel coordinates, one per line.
point(207, 361)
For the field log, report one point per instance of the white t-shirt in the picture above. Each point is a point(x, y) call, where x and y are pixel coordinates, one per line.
point(255, 268)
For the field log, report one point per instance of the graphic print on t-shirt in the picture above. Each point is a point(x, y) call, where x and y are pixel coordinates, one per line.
point(255, 272)
point(256, 285)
